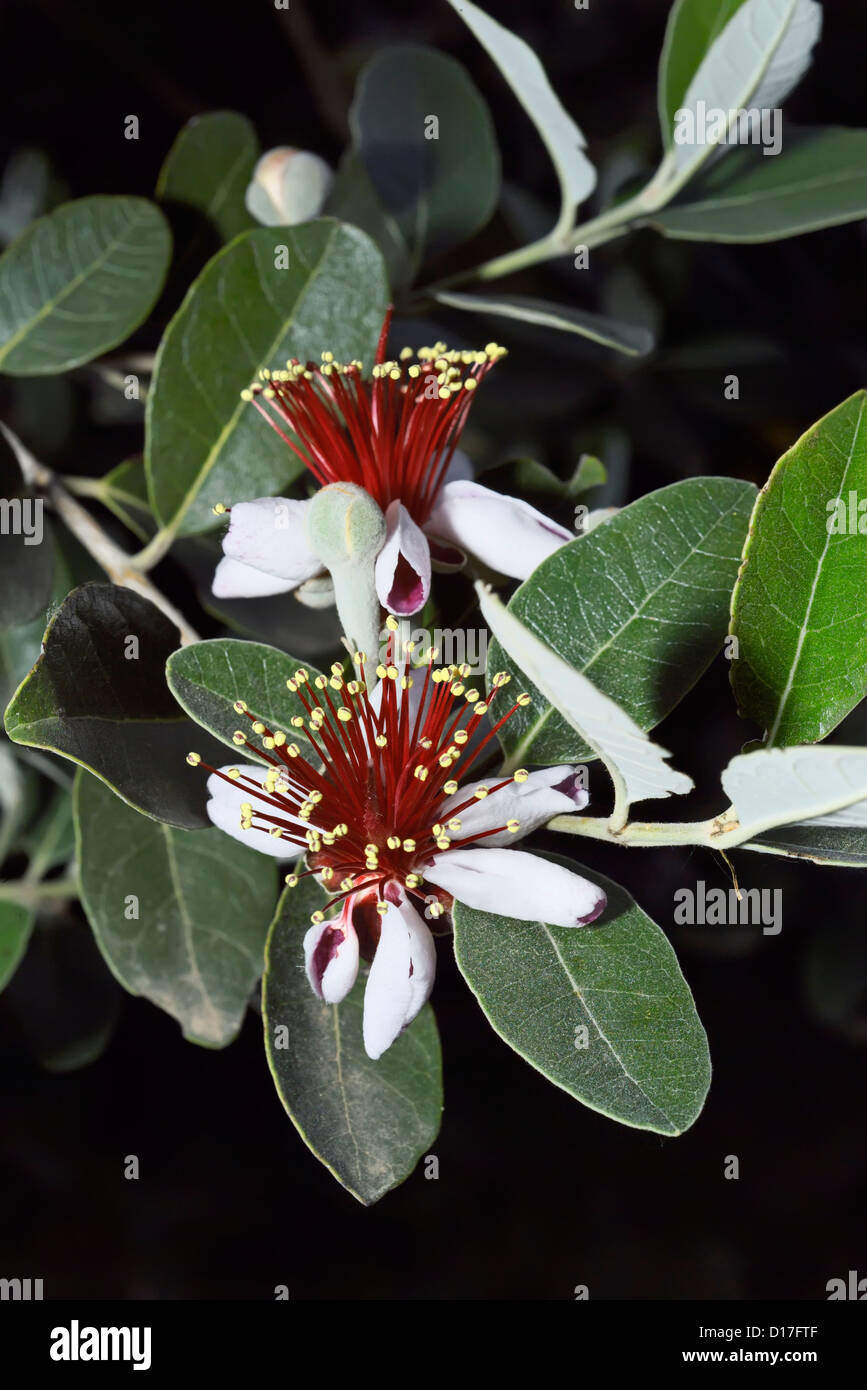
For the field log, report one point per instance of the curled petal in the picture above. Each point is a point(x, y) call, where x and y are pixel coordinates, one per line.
point(331, 957)
point(270, 534)
point(513, 883)
point(552, 791)
point(401, 977)
point(403, 564)
point(504, 532)
point(224, 809)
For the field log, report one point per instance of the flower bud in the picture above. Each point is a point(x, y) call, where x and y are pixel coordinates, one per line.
point(345, 526)
point(288, 186)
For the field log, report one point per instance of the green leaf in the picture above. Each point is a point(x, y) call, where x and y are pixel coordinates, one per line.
point(529, 475)
point(798, 610)
point(638, 605)
point(818, 180)
point(638, 767)
point(51, 841)
point(368, 1122)
point(844, 846)
point(16, 924)
point(526, 76)
point(202, 904)
point(113, 714)
point(440, 184)
point(761, 54)
point(204, 444)
point(625, 337)
point(208, 677)
point(208, 169)
point(124, 491)
point(646, 1061)
point(693, 25)
point(78, 282)
point(26, 546)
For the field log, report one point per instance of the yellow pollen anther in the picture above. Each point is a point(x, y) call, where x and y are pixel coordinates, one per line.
point(472, 696)
point(450, 787)
point(346, 883)
point(382, 908)
point(327, 873)
point(317, 917)
point(521, 775)
point(380, 741)
point(291, 880)
point(409, 846)
point(393, 842)
point(276, 831)
point(234, 773)
point(391, 623)
point(292, 750)
point(194, 759)
point(268, 743)
point(220, 508)
point(344, 715)
point(513, 826)
point(523, 700)
point(461, 736)
point(436, 909)
point(239, 707)
point(279, 739)
point(454, 825)
point(239, 737)
point(371, 849)
point(480, 793)
point(421, 773)
point(443, 842)
point(258, 727)
point(412, 881)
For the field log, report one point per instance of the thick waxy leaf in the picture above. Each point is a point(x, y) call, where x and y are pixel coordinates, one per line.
point(208, 169)
point(625, 337)
point(439, 181)
point(208, 677)
point(78, 282)
point(179, 917)
point(761, 54)
point(637, 766)
point(26, 546)
point(275, 293)
point(777, 786)
point(799, 607)
point(602, 1011)
point(693, 25)
point(818, 180)
point(639, 606)
point(98, 696)
point(16, 924)
point(526, 76)
point(368, 1122)
point(824, 841)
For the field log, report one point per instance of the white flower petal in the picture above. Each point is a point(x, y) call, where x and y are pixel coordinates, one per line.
point(401, 977)
point(552, 791)
point(331, 957)
point(270, 534)
point(504, 532)
point(234, 580)
point(224, 809)
point(513, 883)
point(403, 564)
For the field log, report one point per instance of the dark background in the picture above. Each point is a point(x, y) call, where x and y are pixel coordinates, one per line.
point(535, 1193)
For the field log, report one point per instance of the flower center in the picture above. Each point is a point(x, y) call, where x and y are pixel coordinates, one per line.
point(364, 795)
point(393, 433)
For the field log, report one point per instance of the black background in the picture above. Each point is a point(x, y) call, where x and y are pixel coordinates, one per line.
point(536, 1195)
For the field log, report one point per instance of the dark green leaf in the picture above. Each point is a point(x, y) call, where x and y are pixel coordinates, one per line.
point(368, 1122)
point(439, 182)
point(179, 917)
point(639, 606)
point(78, 282)
point(818, 180)
point(208, 677)
point(16, 924)
point(204, 444)
point(645, 1062)
point(112, 713)
point(798, 610)
point(843, 845)
point(354, 199)
point(208, 169)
